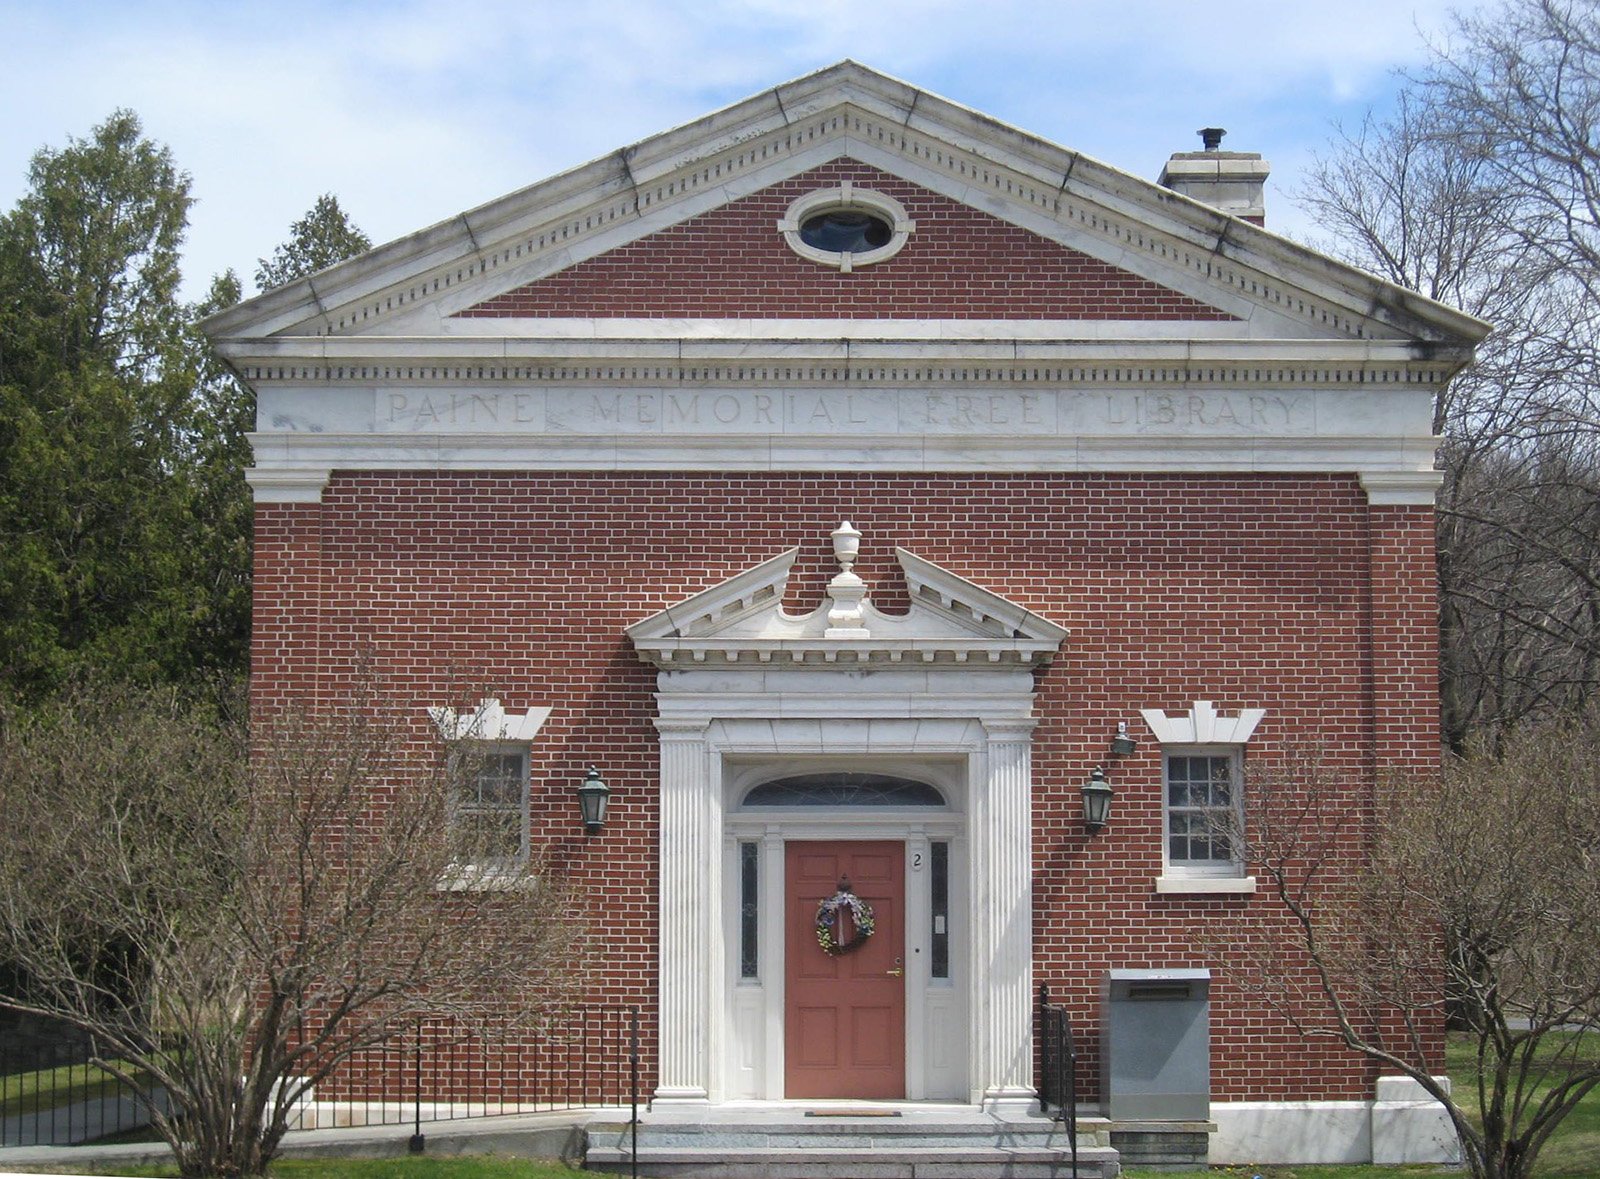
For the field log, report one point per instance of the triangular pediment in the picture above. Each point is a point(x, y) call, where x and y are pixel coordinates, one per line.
point(959, 262)
point(952, 622)
point(1064, 316)
point(417, 288)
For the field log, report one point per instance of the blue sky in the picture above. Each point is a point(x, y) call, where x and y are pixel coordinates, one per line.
point(413, 110)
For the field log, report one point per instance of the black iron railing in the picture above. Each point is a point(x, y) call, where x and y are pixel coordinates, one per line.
point(51, 1095)
point(1058, 1067)
point(441, 1071)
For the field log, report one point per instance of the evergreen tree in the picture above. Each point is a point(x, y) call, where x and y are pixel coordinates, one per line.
point(95, 414)
point(219, 506)
point(124, 514)
point(324, 236)
point(93, 253)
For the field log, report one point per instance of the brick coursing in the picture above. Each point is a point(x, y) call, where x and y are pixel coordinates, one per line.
point(960, 263)
point(1282, 591)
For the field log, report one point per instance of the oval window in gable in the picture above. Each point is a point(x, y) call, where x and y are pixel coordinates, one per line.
point(846, 227)
point(845, 231)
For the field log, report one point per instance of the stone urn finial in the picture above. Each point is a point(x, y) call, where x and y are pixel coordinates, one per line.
point(846, 544)
point(847, 591)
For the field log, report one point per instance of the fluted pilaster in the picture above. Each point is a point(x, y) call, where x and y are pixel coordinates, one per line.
point(1002, 916)
point(691, 873)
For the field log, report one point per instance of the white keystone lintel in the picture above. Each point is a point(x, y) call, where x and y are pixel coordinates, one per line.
point(1202, 725)
point(489, 721)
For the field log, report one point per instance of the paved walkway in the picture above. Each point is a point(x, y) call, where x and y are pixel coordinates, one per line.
point(535, 1135)
point(82, 1121)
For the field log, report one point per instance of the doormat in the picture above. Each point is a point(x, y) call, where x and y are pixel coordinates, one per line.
point(852, 1113)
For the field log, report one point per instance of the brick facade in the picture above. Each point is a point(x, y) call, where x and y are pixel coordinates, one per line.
point(1201, 449)
point(1280, 591)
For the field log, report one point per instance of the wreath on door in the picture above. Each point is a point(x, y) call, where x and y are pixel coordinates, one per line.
point(828, 911)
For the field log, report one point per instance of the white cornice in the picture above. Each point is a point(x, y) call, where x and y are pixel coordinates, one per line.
point(298, 455)
point(711, 354)
point(672, 328)
point(1402, 488)
point(288, 484)
point(845, 109)
point(950, 338)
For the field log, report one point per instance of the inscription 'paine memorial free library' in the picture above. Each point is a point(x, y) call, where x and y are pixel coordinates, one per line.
point(588, 411)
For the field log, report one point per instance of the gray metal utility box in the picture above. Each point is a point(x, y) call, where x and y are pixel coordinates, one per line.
point(1155, 1045)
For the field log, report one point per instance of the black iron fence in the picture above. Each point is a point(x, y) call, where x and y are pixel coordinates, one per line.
point(438, 1070)
point(442, 1071)
point(52, 1095)
point(1058, 1067)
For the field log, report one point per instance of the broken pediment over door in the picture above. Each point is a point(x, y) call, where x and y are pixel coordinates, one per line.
point(952, 623)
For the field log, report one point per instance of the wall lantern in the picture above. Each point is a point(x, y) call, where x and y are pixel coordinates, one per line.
point(1122, 744)
point(592, 796)
point(1096, 800)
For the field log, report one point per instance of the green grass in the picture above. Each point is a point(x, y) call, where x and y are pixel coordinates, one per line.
point(1285, 1172)
point(50, 1088)
point(1573, 1152)
point(423, 1167)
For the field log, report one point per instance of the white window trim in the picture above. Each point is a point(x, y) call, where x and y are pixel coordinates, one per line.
point(489, 728)
point(500, 871)
point(489, 721)
point(1214, 877)
point(1206, 885)
point(1201, 731)
point(484, 878)
point(846, 196)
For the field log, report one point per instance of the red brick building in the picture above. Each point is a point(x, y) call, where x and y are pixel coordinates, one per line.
point(1114, 453)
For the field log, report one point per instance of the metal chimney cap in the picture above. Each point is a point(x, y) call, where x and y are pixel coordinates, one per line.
point(1211, 137)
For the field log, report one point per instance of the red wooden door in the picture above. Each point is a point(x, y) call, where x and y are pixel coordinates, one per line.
point(845, 1015)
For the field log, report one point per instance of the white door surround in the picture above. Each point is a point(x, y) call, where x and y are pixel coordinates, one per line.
point(950, 682)
point(752, 1066)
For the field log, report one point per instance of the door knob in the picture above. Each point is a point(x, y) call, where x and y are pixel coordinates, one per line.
point(897, 971)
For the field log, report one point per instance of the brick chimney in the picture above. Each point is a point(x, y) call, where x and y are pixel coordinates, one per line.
point(1233, 181)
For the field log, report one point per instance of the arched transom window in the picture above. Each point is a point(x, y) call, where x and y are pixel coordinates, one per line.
point(844, 789)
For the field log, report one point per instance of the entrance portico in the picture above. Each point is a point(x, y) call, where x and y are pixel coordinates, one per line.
point(943, 692)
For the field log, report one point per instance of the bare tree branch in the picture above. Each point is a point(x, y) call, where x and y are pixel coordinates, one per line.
point(1481, 891)
point(230, 925)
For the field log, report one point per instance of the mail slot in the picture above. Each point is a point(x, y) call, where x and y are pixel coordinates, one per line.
point(1155, 1045)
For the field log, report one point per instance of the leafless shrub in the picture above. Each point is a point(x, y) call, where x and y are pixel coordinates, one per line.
point(1480, 896)
point(230, 924)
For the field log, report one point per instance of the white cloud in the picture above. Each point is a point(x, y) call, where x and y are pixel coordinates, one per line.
point(413, 111)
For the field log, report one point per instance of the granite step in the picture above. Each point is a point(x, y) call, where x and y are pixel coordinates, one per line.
point(901, 1162)
point(918, 1143)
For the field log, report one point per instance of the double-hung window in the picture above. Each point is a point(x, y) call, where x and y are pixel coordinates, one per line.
point(489, 807)
point(1203, 812)
point(1202, 797)
point(487, 819)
